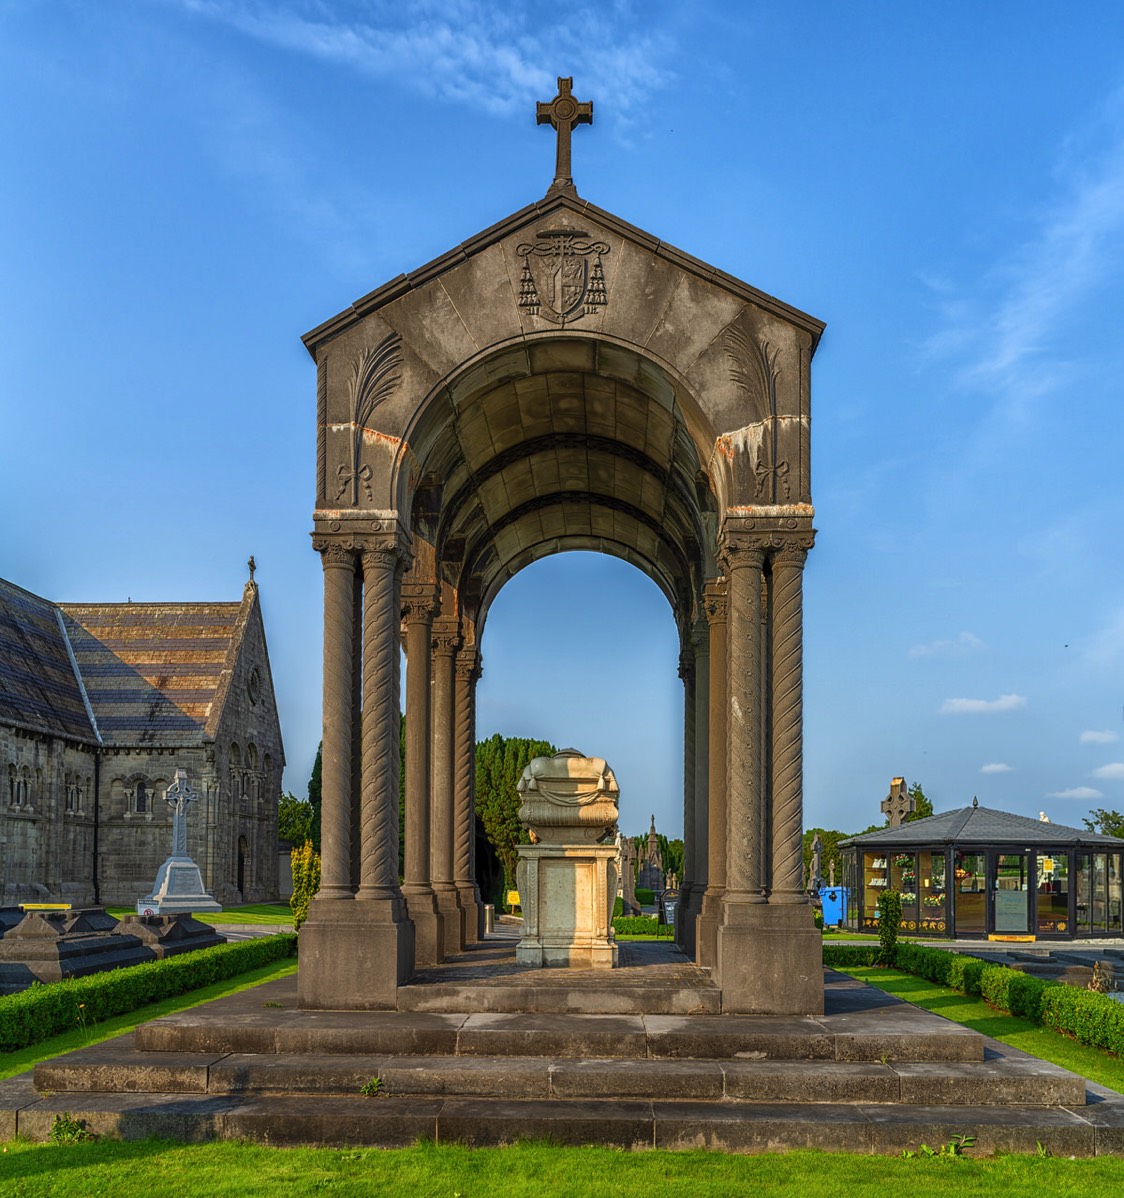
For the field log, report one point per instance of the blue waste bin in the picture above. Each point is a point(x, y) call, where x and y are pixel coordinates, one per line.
point(833, 902)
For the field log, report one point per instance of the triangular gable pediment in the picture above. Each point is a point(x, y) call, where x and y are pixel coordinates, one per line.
point(580, 212)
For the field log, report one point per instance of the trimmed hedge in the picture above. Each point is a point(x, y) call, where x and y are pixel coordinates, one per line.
point(640, 925)
point(43, 1011)
point(1088, 1017)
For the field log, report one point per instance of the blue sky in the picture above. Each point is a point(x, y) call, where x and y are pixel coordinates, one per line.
point(189, 185)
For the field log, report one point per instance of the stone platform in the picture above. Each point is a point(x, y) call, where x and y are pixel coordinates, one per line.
point(461, 1063)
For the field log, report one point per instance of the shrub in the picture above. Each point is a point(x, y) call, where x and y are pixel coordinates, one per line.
point(644, 896)
point(640, 925)
point(1011, 990)
point(306, 881)
point(43, 1011)
point(926, 962)
point(966, 974)
point(618, 906)
point(889, 920)
point(849, 956)
point(1090, 1018)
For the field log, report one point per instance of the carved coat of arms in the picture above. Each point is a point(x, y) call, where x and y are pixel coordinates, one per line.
point(562, 277)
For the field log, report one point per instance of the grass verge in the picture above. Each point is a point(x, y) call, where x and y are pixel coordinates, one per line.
point(22, 1059)
point(252, 913)
point(1020, 1033)
point(144, 1169)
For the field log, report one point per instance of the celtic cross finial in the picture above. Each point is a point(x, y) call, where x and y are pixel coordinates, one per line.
point(564, 112)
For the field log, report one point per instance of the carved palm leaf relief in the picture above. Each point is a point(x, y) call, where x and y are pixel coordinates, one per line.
point(753, 369)
point(376, 375)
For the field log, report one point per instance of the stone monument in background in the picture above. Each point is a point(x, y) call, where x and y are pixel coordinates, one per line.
point(179, 884)
point(567, 876)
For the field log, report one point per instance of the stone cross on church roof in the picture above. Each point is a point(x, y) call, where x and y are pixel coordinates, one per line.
point(564, 112)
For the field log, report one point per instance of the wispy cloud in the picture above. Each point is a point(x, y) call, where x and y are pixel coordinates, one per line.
point(1076, 792)
point(1007, 338)
point(1091, 737)
point(959, 646)
point(996, 767)
point(982, 706)
point(1114, 769)
point(489, 56)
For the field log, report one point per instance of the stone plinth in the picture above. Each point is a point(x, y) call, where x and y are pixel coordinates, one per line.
point(568, 876)
point(178, 890)
point(567, 893)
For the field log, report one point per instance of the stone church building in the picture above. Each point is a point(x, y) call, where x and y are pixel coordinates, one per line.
point(99, 704)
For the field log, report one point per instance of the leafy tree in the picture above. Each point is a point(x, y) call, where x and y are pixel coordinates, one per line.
point(922, 807)
point(671, 855)
point(500, 762)
point(294, 818)
point(1108, 823)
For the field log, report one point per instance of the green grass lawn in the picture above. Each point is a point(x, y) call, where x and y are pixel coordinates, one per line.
point(12, 1063)
point(1041, 1041)
point(149, 1169)
point(263, 913)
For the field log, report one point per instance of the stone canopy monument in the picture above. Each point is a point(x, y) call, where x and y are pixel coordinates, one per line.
point(567, 875)
point(560, 381)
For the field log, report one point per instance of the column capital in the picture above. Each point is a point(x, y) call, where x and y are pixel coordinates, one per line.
point(419, 601)
point(339, 552)
point(446, 636)
point(470, 665)
point(383, 553)
point(792, 550)
point(714, 601)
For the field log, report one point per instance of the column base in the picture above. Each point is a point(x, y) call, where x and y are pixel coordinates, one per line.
point(429, 926)
point(706, 930)
point(448, 903)
point(770, 960)
point(469, 899)
point(354, 955)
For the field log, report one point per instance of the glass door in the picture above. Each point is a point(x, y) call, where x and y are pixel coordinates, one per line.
point(970, 893)
point(1011, 895)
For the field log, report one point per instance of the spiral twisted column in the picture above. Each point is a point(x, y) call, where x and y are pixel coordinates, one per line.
point(419, 605)
point(339, 560)
point(687, 673)
point(446, 642)
point(787, 701)
point(745, 861)
point(378, 865)
point(468, 671)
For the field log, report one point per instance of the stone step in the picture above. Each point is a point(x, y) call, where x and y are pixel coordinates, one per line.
point(591, 1000)
point(630, 1124)
point(877, 1031)
point(116, 1066)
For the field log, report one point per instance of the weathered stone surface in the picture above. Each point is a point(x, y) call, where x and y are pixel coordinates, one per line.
point(389, 1123)
point(757, 1038)
point(749, 1127)
point(636, 1079)
point(553, 1036)
point(903, 1128)
point(803, 1081)
point(494, 1123)
point(1026, 1082)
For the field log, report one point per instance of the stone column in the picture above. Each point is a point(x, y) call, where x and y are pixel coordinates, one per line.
point(706, 936)
point(338, 559)
point(419, 602)
point(355, 956)
point(769, 957)
point(467, 675)
point(701, 641)
point(684, 922)
point(787, 698)
point(446, 642)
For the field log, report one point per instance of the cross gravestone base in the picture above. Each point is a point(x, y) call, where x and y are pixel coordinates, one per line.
point(178, 888)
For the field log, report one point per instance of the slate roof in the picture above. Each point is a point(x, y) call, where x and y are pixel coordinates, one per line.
point(39, 690)
point(981, 826)
point(152, 672)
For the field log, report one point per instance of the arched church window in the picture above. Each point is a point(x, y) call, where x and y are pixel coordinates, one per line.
point(13, 785)
point(140, 799)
